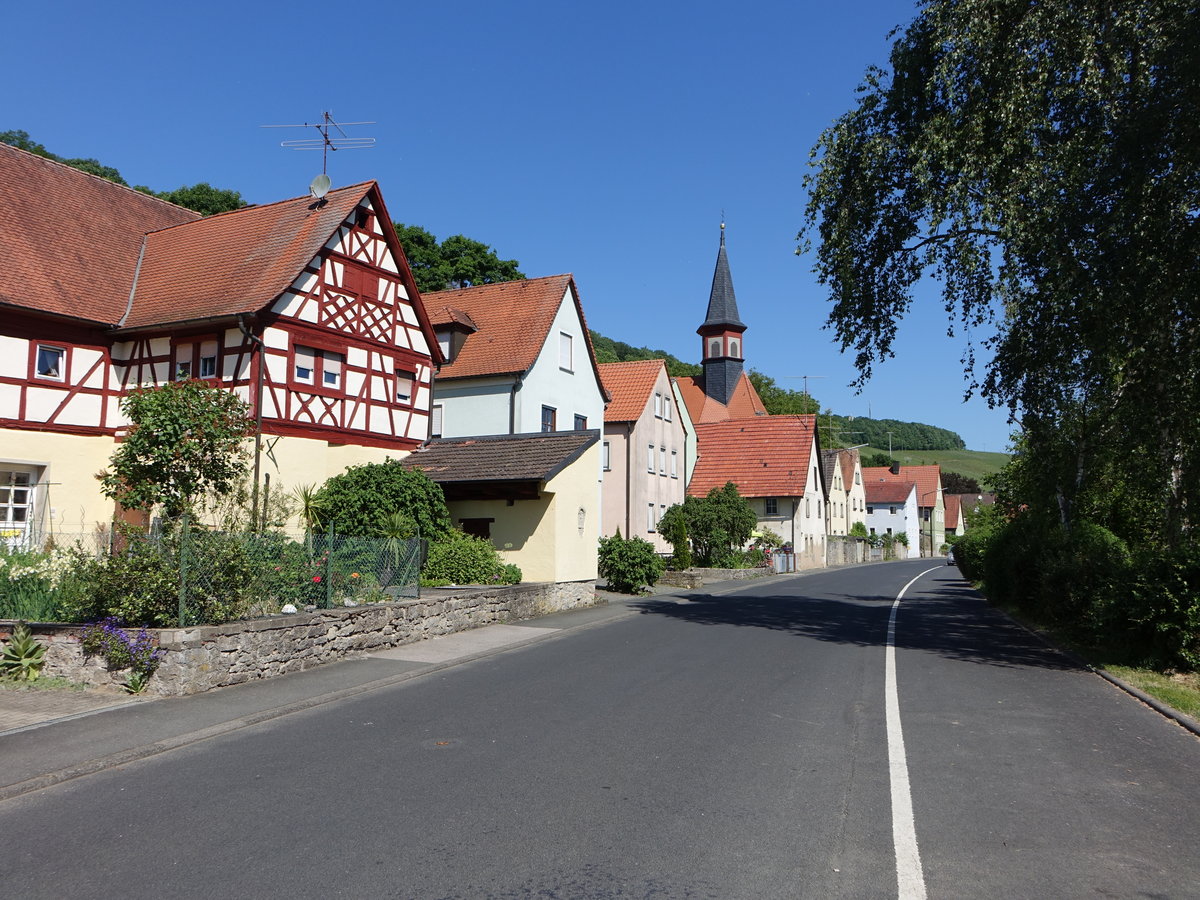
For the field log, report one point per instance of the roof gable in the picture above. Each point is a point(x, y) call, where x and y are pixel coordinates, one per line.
point(513, 319)
point(72, 240)
point(630, 385)
point(888, 491)
point(744, 404)
point(236, 262)
point(770, 456)
point(928, 480)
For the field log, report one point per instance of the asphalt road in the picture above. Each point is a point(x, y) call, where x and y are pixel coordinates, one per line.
point(724, 747)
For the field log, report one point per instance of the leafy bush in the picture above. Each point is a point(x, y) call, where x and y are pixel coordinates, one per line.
point(363, 499)
point(460, 558)
point(30, 582)
point(120, 651)
point(629, 564)
point(673, 528)
point(859, 530)
point(718, 525)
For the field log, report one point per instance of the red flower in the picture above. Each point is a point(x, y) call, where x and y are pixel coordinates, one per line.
point(316, 579)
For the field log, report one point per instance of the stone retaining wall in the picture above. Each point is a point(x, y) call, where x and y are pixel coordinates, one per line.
point(205, 657)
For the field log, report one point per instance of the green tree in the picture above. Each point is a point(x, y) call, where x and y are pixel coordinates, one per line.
point(185, 439)
point(718, 524)
point(1044, 160)
point(456, 262)
point(204, 198)
point(953, 483)
point(781, 401)
point(362, 500)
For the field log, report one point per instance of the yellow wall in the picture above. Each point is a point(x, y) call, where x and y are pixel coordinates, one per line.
point(71, 462)
point(69, 500)
point(543, 537)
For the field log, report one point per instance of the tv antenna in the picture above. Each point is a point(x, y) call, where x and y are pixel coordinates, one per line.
point(327, 141)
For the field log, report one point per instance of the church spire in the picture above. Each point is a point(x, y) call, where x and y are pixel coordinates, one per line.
point(722, 303)
point(721, 333)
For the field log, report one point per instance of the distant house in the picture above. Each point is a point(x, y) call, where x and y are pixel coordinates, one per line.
point(775, 463)
point(532, 495)
point(644, 450)
point(306, 309)
point(930, 500)
point(518, 360)
point(892, 509)
point(955, 523)
point(844, 489)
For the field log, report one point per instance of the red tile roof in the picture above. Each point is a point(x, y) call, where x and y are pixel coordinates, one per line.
point(768, 456)
point(744, 404)
point(887, 491)
point(927, 478)
point(513, 318)
point(235, 262)
point(953, 509)
point(848, 459)
point(72, 240)
point(630, 385)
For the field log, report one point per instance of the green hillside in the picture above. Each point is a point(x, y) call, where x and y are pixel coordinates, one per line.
point(975, 464)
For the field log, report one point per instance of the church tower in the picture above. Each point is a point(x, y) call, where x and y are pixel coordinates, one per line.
point(722, 351)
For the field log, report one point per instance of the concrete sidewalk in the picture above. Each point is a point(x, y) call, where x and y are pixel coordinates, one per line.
point(51, 736)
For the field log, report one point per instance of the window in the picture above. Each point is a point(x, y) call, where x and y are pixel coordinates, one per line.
point(606, 456)
point(443, 342)
point(658, 409)
point(662, 460)
point(651, 521)
point(305, 366)
point(870, 509)
point(183, 370)
point(566, 352)
point(50, 362)
point(549, 418)
point(650, 459)
point(733, 348)
point(435, 421)
point(320, 368)
point(714, 347)
point(674, 464)
point(667, 408)
point(480, 528)
point(16, 497)
point(331, 369)
point(892, 510)
point(404, 386)
point(580, 422)
point(807, 508)
point(208, 359)
point(772, 506)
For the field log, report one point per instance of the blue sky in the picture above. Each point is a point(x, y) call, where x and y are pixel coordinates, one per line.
point(604, 140)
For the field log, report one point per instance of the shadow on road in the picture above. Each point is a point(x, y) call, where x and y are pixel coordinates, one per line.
point(950, 620)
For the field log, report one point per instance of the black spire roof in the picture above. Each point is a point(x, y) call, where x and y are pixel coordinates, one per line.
point(722, 304)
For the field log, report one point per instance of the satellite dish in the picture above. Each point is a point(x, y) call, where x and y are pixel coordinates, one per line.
point(320, 186)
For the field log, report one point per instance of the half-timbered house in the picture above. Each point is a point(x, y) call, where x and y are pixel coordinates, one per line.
point(306, 308)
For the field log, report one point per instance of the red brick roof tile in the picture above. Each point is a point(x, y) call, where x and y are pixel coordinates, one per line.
point(744, 404)
point(235, 262)
point(887, 491)
point(72, 240)
point(953, 510)
point(513, 318)
point(766, 456)
point(927, 478)
point(630, 385)
point(848, 460)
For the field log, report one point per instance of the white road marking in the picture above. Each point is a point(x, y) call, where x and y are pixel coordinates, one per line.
point(909, 875)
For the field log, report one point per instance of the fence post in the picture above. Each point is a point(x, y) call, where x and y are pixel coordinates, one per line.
point(184, 538)
point(329, 571)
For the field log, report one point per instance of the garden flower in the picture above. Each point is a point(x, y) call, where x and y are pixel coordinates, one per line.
point(316, 579)
point(353, 574)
